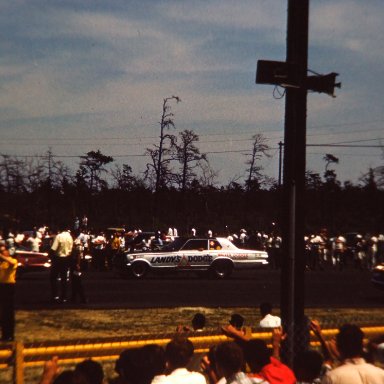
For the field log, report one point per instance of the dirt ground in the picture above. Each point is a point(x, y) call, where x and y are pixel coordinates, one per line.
point(53, 325)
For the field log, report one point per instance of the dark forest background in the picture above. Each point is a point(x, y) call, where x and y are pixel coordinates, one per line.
point(48, 194)
point(179, 189)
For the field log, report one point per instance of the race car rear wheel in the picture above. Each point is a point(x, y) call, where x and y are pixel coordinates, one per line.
point(221, 269)
point(139, 269)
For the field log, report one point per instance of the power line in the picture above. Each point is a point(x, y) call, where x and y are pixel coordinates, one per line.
point(347, 124)
point(359, 141)
point(237, 133)
point(200, 142)
point(343, 154)
point(244, 150)
point(346, 145)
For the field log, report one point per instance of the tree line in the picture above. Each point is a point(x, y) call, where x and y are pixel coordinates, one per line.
point(178, 188)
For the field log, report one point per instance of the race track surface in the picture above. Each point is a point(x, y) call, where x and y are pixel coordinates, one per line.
point(323, 289)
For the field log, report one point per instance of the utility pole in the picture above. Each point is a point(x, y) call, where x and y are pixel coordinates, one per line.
point(293, 265)
point(49, 158)
point(280, 162)
point(292, 75)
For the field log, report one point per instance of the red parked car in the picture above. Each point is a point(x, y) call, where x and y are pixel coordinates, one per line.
point(29, 261)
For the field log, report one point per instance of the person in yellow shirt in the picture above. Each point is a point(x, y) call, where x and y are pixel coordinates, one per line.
point(8, 266)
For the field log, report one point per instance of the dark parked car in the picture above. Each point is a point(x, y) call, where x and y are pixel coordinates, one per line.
point(378, 276)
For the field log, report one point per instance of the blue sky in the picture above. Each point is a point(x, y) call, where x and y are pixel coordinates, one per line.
point(84, 75)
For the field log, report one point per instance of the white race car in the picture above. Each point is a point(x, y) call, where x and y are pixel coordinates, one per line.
point(218, 256)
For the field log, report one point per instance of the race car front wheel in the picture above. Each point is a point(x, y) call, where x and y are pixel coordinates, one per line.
point(139, 269)
point(221, 269)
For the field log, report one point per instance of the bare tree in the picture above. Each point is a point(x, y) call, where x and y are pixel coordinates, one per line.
point(11, 173)
point(34, 173)
point(260, 149)
point(379, 171)
point(160, 154)
point(368, 180)
point(124, 180)
point(379, 174)
point(189, 157)
point(208, 177)
point(56, 172)
point(159, 177)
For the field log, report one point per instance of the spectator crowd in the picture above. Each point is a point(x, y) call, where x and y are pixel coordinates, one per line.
point(241, 359)
point(323, 250)
point(348, 359)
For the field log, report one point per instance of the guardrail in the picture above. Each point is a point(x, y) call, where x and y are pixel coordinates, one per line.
point(19, 355)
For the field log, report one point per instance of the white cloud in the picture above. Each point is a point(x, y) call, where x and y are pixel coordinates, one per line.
point(106, 72)
point(108, 27)
point(355, 25)
point(245, 14)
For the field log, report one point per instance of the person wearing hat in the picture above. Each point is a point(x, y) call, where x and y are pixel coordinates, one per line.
point(8, 266)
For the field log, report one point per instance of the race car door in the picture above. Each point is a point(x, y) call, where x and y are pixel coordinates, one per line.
point(195, 254)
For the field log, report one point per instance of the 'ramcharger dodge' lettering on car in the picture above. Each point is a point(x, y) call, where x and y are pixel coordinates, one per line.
point(216, 256)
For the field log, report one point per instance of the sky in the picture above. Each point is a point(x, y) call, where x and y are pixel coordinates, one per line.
point(82, 75)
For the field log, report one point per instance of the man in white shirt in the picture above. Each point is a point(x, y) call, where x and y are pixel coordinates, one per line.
point(61, 251)
point(34, 242)
point(354, 369)
point(178, 353)
point(268, 320)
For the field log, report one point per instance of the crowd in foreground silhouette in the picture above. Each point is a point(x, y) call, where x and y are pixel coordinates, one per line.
point(347, 359)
